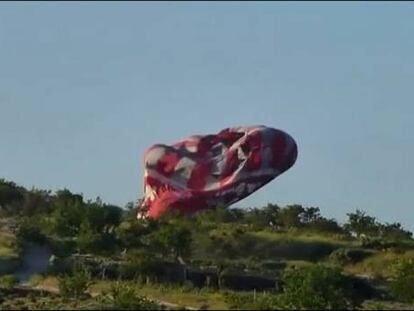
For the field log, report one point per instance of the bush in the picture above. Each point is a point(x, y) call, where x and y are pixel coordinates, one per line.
point(402, 284)
point(94, 242)
point(63, 248)
point(130, 233)
point(141, 264)
point(29, 231)
point(76, 284)
point(8, 281)
point(324, 225)
point(237, 301)
point(316, 287)
point(395, 232)
point(125, 297)
point(173, 238)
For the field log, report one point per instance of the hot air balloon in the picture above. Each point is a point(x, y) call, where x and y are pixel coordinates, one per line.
point(205, 171)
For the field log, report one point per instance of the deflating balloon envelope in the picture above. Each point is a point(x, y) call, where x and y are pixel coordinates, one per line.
point(204, 171)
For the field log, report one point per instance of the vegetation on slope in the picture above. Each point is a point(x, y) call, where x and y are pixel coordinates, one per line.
point(225, 255)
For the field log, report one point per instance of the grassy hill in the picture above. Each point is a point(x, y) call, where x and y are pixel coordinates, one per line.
point(221, 258)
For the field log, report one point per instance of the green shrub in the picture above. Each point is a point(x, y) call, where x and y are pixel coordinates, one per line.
point(141, 264)
point(402, 284)
point(63, 248)
point(316, 287)
point(8, 281)
point(95, 242)
point(29, 231)
point(76, 284)
point(324, 225)
point(237, 301)
point(125, 297)
point(249, 301)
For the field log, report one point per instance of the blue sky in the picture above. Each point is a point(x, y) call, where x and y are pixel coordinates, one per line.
point(86, 87)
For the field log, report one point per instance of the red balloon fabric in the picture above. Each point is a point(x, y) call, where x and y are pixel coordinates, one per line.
point(202, 172)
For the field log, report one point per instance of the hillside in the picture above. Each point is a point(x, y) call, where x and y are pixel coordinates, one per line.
point(222, 258)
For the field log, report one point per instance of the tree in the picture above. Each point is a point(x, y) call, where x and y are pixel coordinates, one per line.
point(113, 216)
point(130, 211)
point(102, 217)
point(130, 233)
point(326, 225)
point(237, 214)
point(67, 197)
point(29, 229)
point(96, 234)
point(68, 213)
point(129, 206)
point(310, 215)
point(88, 240)
point(36, 202)
point(258, 218)
point(290, 216)
point(222, 267)
point(271, 213)
point(219, 214)
point(173, 238)
point(11, 197)
point(394, 232)
point(68, 216)
point(143, 264)
point(360, 223)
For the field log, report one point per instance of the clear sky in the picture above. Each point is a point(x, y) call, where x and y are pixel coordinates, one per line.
point(86, 87)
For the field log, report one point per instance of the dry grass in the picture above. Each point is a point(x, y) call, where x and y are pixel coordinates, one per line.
point(8, 246)
point(386, 305)
point(171, 294)
point(49, 283)
point(307, 237)
point(214, 300)
point(378, 264)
